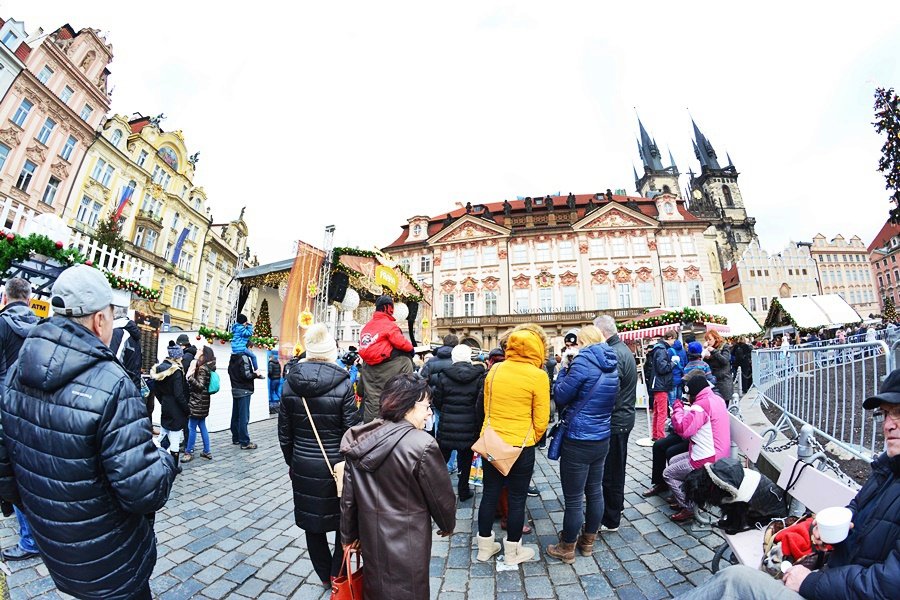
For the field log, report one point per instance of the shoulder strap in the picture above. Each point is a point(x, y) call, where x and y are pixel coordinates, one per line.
point(318, 439)
point(583, 403)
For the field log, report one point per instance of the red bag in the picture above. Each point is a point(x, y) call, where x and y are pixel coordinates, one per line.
point(349, 586)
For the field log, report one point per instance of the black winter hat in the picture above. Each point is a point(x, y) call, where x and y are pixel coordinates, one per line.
point(383, 301)
point(696, 383)
point(571, 338)
point(889, 392)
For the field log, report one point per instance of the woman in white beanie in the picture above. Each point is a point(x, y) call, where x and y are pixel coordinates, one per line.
point(323, 386)
point(456, 392)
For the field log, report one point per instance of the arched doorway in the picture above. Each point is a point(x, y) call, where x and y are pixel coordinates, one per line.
point(472, 342)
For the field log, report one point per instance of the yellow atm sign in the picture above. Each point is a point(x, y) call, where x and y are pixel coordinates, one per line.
point(40, 307)
point(387, 277)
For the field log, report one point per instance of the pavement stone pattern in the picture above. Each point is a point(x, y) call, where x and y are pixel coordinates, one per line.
point(228, 533)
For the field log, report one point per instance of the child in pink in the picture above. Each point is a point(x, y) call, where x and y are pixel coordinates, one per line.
point(706, 425)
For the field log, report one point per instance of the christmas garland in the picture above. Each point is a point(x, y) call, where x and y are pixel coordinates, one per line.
point(18, 248)
point(336, 265)
point(675, 317)
point(774, 308)
point(212, 334)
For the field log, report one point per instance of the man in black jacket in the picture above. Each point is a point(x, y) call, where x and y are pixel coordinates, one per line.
point(621, 423)
point(70, 401)
point(432, 369)
point(126, 341)
point(243, 377)
point(661, 382)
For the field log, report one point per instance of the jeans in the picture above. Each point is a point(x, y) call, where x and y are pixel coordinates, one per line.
point(516, 483)
point(326, 564)
point(240, 417)
point(660, 406)
point(274, 391)
point(581, 474)
point(614, 480)
point(741, 582)
point(452, 462)
point(193, 424)
point(674, 476)
point(663, 451)
point(464, 460)
point(249, 352)
point(26, 542)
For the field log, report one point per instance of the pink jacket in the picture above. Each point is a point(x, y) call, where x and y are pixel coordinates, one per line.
point(705, 423)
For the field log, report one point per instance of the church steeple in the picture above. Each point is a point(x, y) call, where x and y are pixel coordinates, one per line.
point(703, 149)
point(648, 149)
point(656, 178)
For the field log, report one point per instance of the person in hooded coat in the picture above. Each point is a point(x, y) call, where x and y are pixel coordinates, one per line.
point(172, 393)
point(198, 376)
point(456, 394)
point(395, 483)
point(325, 388)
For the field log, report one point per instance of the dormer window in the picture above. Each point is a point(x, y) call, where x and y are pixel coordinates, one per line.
point(116, 137)
point(417, 229)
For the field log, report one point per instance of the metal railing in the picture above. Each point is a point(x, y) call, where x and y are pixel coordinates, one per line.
point(825, 386)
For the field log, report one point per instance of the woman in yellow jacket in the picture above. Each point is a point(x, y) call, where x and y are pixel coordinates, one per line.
point(517, 406)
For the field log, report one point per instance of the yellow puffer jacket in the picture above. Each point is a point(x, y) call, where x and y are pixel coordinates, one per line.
point(517, 391)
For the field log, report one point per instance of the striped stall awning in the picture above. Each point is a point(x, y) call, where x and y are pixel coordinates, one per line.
point(717, 327)
point(649, 332)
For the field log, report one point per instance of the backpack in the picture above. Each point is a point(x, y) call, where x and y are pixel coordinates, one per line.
point(213, 382)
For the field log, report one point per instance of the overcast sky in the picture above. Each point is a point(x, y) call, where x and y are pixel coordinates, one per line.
point(362, 114)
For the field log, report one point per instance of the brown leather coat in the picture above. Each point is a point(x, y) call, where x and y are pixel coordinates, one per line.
point(395, 483)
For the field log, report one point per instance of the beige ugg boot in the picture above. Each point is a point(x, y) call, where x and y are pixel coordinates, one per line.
point(516, 553)
point(487, 547)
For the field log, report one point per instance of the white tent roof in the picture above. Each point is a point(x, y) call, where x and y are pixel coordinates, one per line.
point(828, 310)
point(740, 321)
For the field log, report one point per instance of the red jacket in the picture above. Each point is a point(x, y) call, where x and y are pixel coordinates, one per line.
point(379, 338)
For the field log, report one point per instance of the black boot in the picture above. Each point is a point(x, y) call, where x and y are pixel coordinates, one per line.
point(177, 457)
point(465, 492)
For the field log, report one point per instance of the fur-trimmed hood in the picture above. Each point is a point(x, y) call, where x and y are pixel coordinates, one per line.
point(164, 369)
point(729, 475)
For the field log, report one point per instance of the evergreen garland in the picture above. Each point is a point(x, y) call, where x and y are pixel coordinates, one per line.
point(336, 265)
point(212, 334)
point(675, 317)
point(887, 114)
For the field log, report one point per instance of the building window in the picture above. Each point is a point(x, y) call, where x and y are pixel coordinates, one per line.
point(566, 250)
point(138, 234)
point(448, 305)
point(86, 112)
point(645, 293)
point(204, 315)
point(50, 191)
point(45, 74)
point(624, 295)
point(25, 176)
point(175, 219)
point(489, 255)
point(570, 297)
point(639, 247)
point(142, 158)
point(150, 240)
point(66, 94)
point(520, 253)
point(194, 232)
point(545, 299)
point(185, 263)
point(687, 245)
point(10, 40)
point(99, 168)
point(601, 296)
point(197, 204)
point(22, 112)
point(542, 252)
point(46, 130)
point(664, 244)
point(752, 304)
point(726, 191)
point(212, 257)
point(468, 257)
point(765, 303)
point(448, 259)
point(68, 148)
point(523, 303)
point(405, 264)
point(469, 304)
point(673, 294)
point(4, 154)
point(116, 137)
point(694, 289)
point(179, 297)
point(598, 247)
point(425, 264)
point(618, 246)
point(490, 303)
point(168, 253)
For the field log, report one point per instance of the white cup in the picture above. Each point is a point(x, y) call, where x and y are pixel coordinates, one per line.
point(834, 524)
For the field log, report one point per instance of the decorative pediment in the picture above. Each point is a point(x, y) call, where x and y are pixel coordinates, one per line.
point(469, 284)
point(490, 283)
point(670, 273)
point(644, 274)
point(468, 228)
point(37, 153)
point(622, 275)
point(693, 273)
point(568, 278)
point(10, 135)
point(448, 286)
point(60, 169)
point(545, 278)
point(521, 281)
point(615, 216)
point(600, 276)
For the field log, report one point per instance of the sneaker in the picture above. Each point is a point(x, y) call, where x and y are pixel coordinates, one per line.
point(533, 491)
point(206, 455)
point(604, 528)
point(250, 446)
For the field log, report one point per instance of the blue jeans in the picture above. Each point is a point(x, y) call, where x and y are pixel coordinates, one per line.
point(741, 582)
point(26, 542)
point(451, 462)
point(581, 474)
point(240, 418)
point(274, 391)
point(249, 352)
point(193, 424)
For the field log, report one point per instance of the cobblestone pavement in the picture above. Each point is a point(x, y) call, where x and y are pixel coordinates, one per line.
point(228, 532)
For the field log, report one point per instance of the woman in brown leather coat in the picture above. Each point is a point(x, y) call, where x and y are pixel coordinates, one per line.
point(395, 483)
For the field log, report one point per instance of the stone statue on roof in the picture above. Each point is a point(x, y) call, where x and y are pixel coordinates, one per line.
point(507, 208)
point(570, 201)
point(590, 205)
point(609, 197)
point(486, 213)
point(448, 221)
point(468, 207)
point(549, 202)
point(528, 204)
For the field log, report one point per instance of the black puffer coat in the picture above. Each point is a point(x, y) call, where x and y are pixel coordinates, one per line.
point(719, 361)
point(76, 454)
point(441, 360)
point(329, 396)
point(198, 382)
point(171, 392)
point(16, 321)
point(457, 391)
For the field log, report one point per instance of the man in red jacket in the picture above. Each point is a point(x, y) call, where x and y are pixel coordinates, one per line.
point(384, 352)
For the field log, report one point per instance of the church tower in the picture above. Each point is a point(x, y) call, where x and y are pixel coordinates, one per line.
point(656, 178)
point(715, 195)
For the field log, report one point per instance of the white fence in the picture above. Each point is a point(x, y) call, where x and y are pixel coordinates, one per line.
point(21, 220)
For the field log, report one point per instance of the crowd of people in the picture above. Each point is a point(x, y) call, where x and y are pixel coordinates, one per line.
point(368, 444)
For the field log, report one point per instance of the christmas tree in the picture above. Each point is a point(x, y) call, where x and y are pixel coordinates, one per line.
point(109, 233)
point(887, 113)
point(263, 326)
point(890, 311)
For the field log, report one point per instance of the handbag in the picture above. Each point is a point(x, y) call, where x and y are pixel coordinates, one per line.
point(337, 472)
point(492, 447)
point(349, 586)
point(559, 429)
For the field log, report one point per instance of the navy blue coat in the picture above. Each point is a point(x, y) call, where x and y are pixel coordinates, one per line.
point(77, 457)
point(576, 383)
point(661, 377)
point(867, 564)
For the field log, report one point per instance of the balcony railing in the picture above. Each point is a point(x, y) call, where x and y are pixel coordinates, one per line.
point(568, 316)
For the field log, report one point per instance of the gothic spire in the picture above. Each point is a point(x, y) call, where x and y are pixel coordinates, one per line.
point(648, 149)
point(703, 149)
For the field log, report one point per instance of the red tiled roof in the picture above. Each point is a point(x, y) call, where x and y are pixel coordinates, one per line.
point(23, 51)
point(66, 32)
point(730, 276)
point(138, 124)
point(646, 206)
point(884, 236)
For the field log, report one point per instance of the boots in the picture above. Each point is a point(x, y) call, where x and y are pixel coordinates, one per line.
point(465, 492)
point(563, 551)
point(177, 456)
point(585, 543)
point(487, 547)
point(516, 553)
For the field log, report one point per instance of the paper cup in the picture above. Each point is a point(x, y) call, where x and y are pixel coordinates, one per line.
point(834, 524)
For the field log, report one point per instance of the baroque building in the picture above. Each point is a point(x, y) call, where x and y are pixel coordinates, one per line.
point(12, 38)
point(885, 270)
point(224, 255)
point(843, 268)
point(50, 113)
point(558, 261)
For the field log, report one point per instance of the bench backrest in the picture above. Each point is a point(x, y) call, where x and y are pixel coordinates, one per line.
point(814, 488)
point(747, 440)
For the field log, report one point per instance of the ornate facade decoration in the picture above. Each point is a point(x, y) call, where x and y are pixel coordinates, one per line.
point(693, 273)
point(467, 232)
point(10, 135)
point(448, 286)
point(583, 247)
point(37, 153)
point(469, 284)
point(600, 276)
point(644, 274)
point(60, 169)
point(490, 284)
point(521, 282)
point(568, 278)
point(622, 275)
point(615, 218)
point(670, 273)
point(545, 278)
point(502, 253)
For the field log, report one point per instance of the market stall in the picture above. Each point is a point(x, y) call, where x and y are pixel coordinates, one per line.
point(810, 313)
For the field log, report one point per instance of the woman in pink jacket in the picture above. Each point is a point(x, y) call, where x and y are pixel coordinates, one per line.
point(704, 423)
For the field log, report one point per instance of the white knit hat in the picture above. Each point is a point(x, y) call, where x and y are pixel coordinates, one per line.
point(320, 343)
point(461, 353)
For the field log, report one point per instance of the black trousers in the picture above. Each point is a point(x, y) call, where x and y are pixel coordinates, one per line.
point(614, 479)
point(517, 484)
point(326, 564)
point(463, 462)
point(663, 450)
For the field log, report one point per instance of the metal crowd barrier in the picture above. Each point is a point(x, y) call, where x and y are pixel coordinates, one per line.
point(825, 386)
